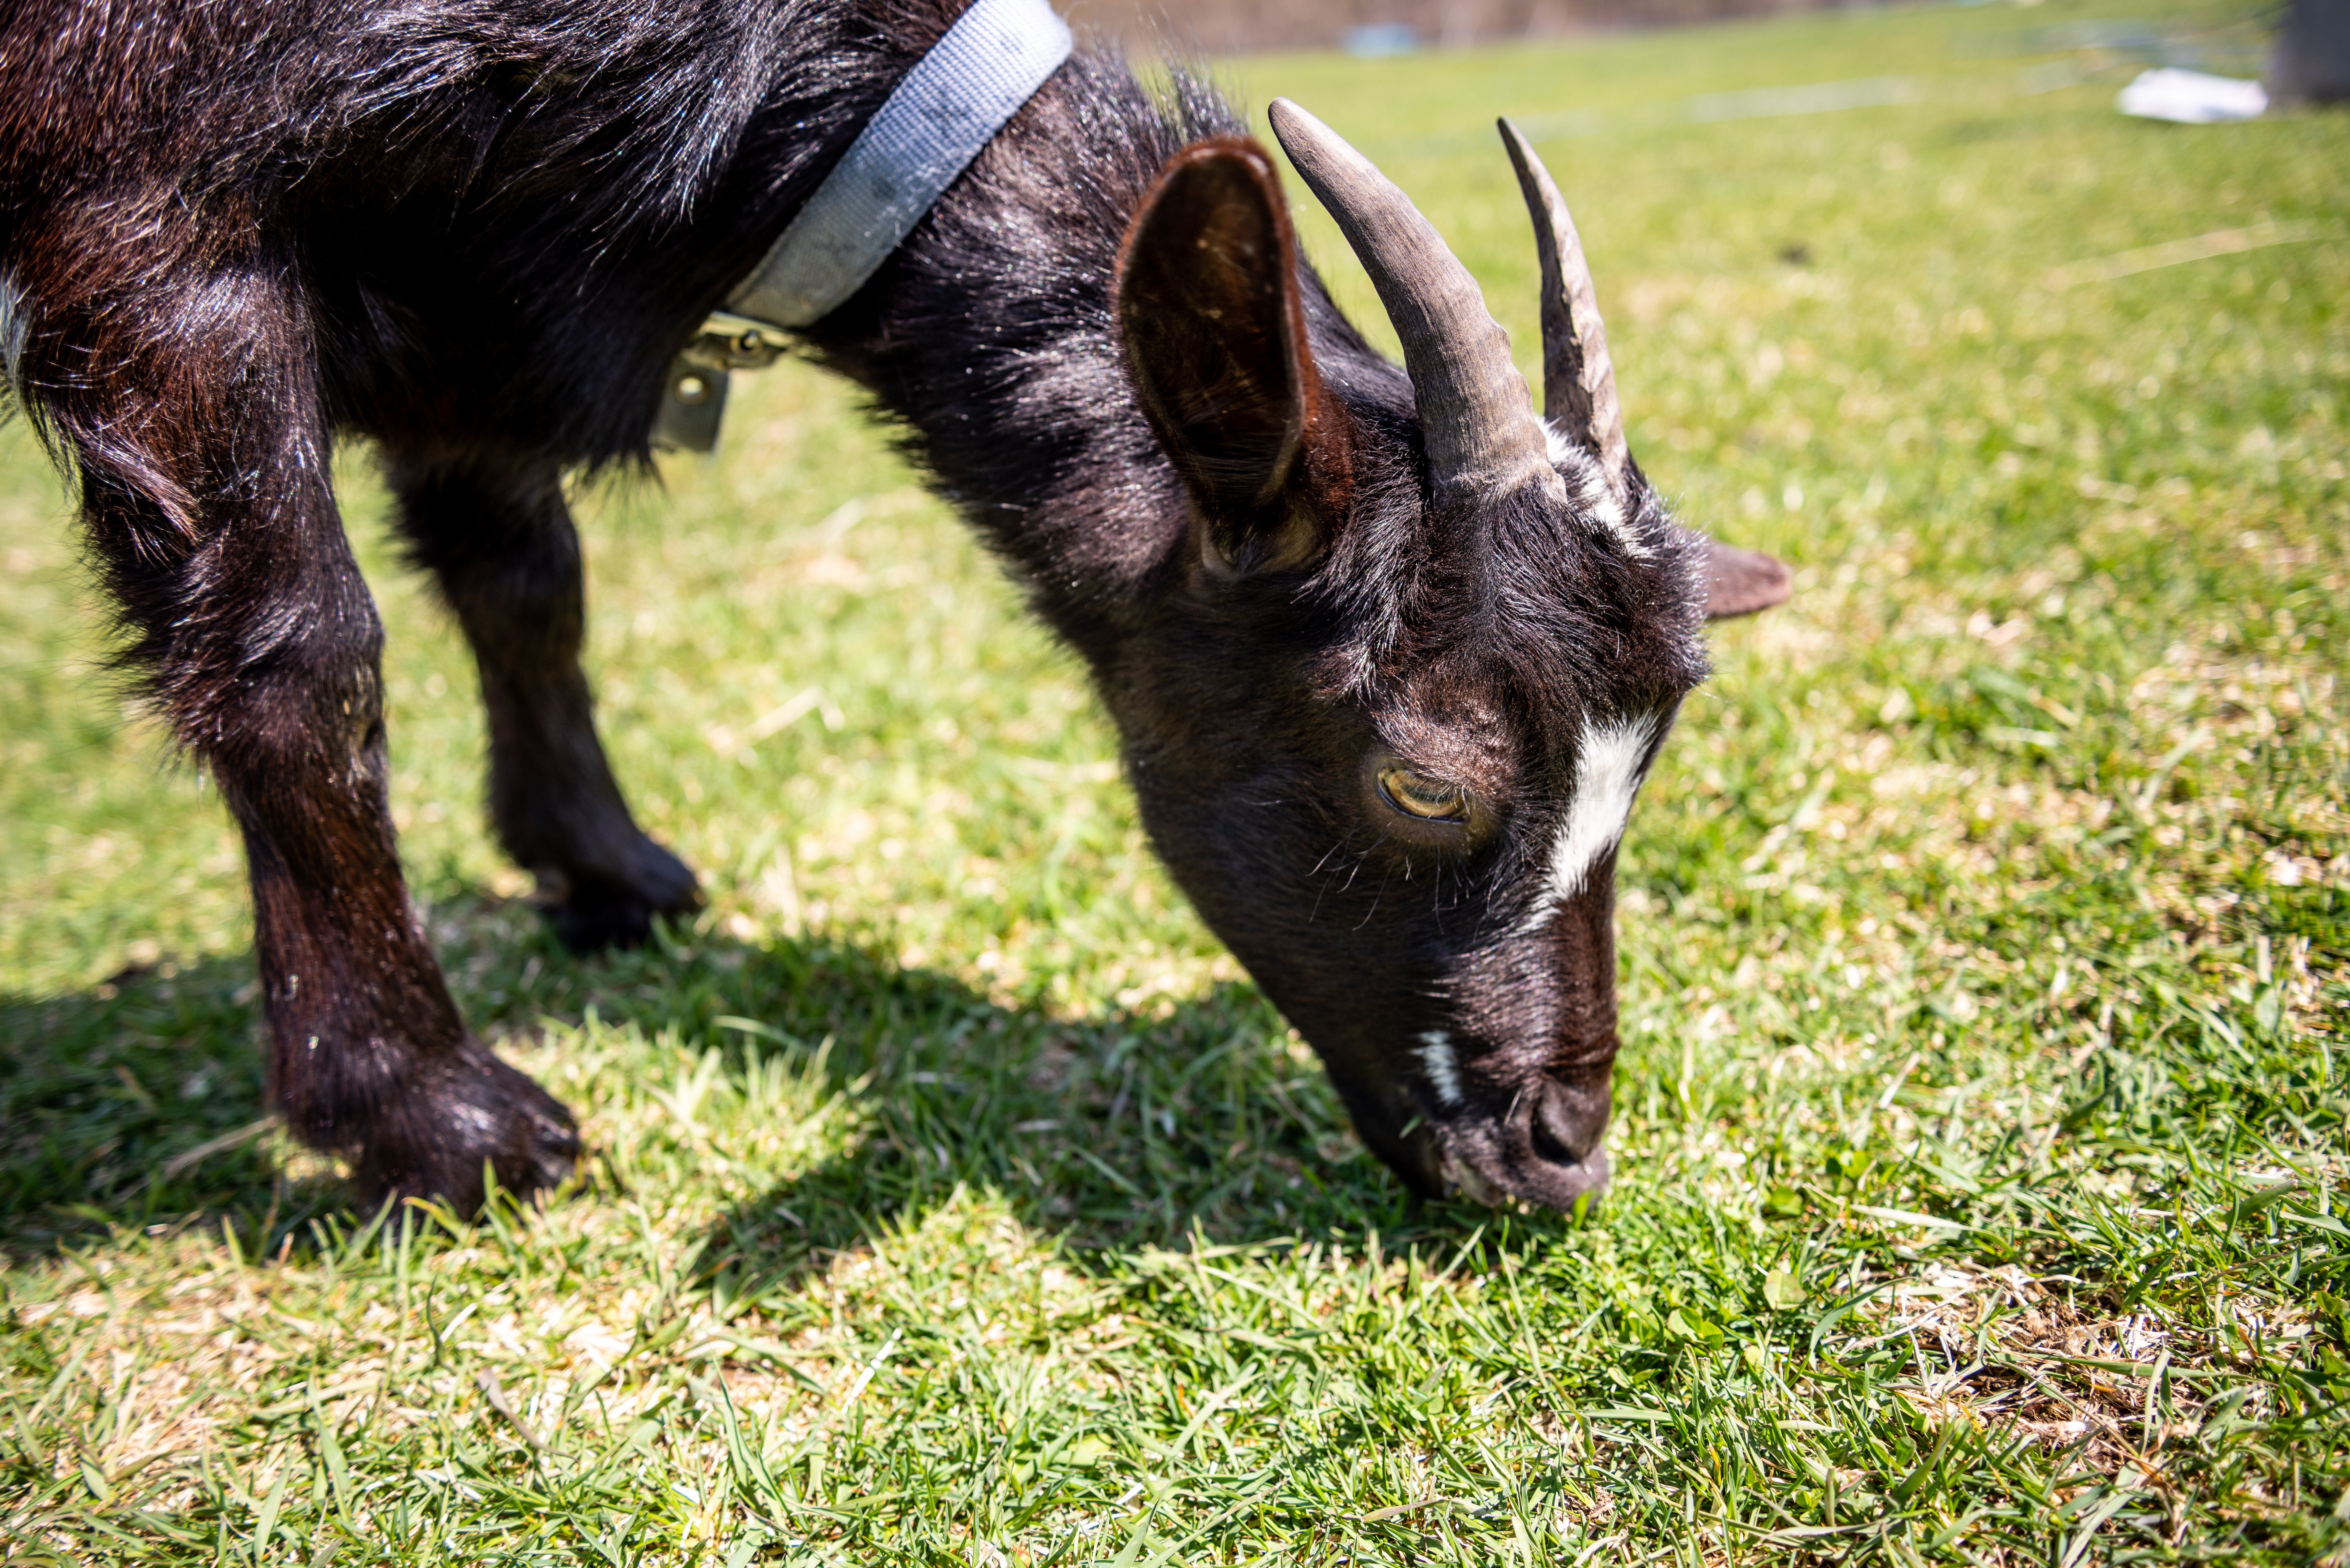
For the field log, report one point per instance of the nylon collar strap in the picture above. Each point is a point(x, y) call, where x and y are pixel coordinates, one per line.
point(948, 109)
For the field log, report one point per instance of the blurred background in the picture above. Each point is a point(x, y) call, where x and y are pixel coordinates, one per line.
point(1394, 26)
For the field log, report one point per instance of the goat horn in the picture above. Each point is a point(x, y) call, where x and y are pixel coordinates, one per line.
point(1578, 377)
point(1474, 411)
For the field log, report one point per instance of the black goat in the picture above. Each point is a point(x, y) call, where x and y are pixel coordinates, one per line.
point(1388, 656)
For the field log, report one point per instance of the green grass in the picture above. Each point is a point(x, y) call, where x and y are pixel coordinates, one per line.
point(955, 1199)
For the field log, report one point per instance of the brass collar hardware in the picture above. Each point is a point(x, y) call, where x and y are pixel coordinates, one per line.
point(739, 343)
point(693, 401)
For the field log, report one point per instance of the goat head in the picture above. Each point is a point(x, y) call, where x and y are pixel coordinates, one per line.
point(1418, 653)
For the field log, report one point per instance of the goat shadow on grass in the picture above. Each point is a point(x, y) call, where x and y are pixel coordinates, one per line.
point(101, 1089)
point(1129, 1129)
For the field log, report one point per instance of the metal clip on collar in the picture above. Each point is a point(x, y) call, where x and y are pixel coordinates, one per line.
point(694, 400)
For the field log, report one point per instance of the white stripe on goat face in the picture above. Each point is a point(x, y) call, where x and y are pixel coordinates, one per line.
point(1443, 1068)
point(1608, 767)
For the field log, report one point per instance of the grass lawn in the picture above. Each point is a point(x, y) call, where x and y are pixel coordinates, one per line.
point(954, 1198)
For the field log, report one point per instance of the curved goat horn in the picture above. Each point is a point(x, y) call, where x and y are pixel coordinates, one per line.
point(1474, 412)
point(1578, 378)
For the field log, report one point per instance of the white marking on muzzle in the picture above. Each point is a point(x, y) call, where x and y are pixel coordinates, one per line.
point(1443, 1068)
point(1608, 775)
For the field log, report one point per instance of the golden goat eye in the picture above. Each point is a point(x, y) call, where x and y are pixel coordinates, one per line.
point(1416, 794)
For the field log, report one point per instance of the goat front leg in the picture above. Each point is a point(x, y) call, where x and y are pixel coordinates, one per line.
point(499, 538)
point(203, 457)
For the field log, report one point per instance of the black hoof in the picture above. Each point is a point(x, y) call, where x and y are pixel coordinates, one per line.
point(594, 913)
point(472, 1114)
point(589, 921)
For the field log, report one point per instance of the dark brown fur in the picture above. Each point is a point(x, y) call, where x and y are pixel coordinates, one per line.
point(475, 232)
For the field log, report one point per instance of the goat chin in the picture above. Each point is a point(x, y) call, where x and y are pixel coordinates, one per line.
point(1467, 1181)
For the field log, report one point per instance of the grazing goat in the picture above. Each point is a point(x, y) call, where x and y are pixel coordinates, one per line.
point(1389, 656)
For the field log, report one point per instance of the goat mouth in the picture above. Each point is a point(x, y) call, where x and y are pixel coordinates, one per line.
point(1555, 1184)
point(1465, 1180)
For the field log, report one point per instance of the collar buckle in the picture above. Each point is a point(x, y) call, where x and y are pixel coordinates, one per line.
point(694, 397)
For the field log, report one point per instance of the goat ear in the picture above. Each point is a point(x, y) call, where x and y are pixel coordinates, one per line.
point(1212, 318)
point(1741, 582)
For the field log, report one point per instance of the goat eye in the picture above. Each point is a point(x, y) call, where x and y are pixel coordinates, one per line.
point(1416, 794)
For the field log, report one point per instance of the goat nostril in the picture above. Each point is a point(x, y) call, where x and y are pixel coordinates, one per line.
point(1550, 1148)
point(1563, 1130)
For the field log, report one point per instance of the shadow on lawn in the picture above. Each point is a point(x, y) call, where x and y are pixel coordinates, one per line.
point(1122, 1130)
point(101, 1089)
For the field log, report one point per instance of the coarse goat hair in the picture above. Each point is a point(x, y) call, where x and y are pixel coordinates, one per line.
point(1389, 655)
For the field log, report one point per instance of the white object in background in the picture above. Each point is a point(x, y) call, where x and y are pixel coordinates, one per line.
point(2191, 98)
